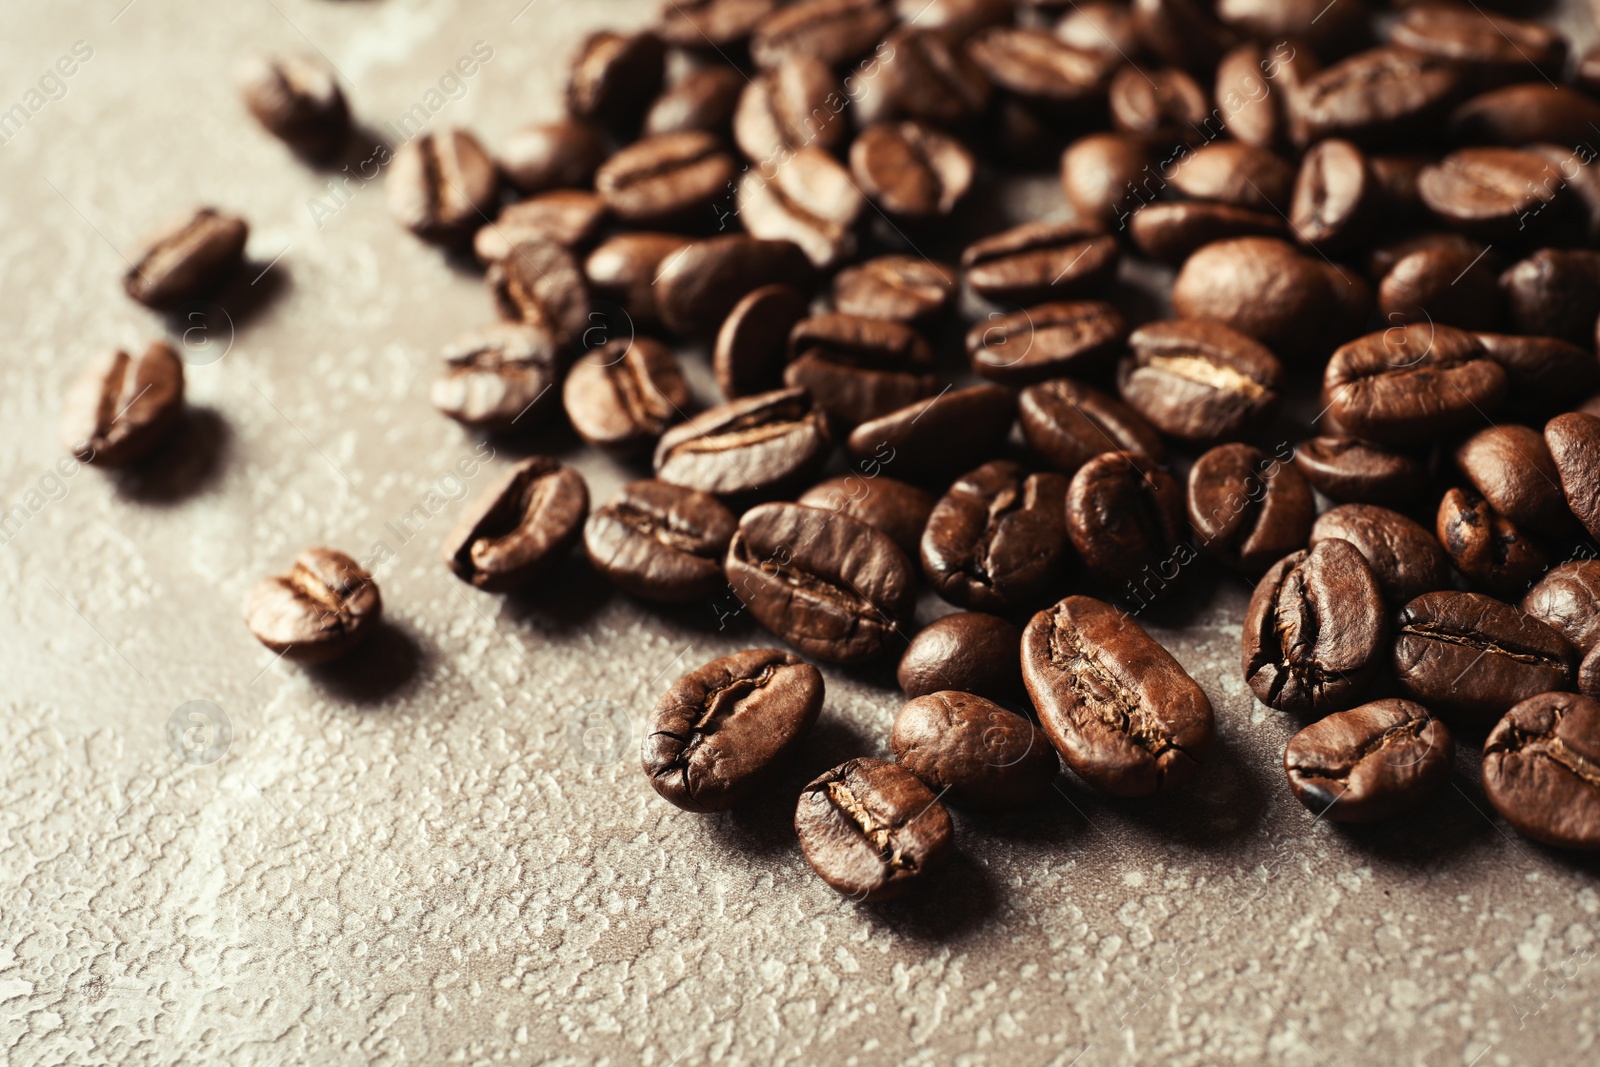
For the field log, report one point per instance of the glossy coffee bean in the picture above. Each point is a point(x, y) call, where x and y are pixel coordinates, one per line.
point(1247, 508)
point(974, 752)
point(1446, 285)
point(1172, 231)
point(1199, 381)
point(797, 104)
point(1073, 337)
point(1252, 89)
point(661, 542)
point(1568, 600)
point(699, 285)
point(911, 171)
point(889, 505)
point(671, 181)
point(1490, 551)
point(859, 369)
point(752, 446)
point(520, 528)
point(1384, 96)
point(1492, 48)
point(567, 217)
point(1098, 174)
point(1554, 293)
point(624, 270)
point(1412, 384)
point(553, 155)
point(906, 289)
point(1126, 519)
point(929, 76)
point(1404, 556)
point(835, 31)
point(1126, 717)
point(1041, 261)
point(615, 76)
point(1160, 106)
point(1331, 31)
point(1511, 467)
point(191, 260)
point(318, 612)
point(1574, 443)
point(1098, 26)
point(1240, 175)
point(1541, 769)
point(298, 100)
point(1543, 374)
point(936, 439)
point(1266, 289)
point(715, 737)
point(1052, 77)
point(968, 651)
point(703, 100)
point(1068, 424)
point(500, 378)
point(1528, 113)
point(540, 283)
point(1369, 763)
point(872, 830)
point(1183, 33)
point(121, 407)
point(810, 201)
point(624, 395)
point(753, 343)
point(442, 186)
point(1335, 197)
point(711, 24)
point(1496, 194)
point(995, 541)
point(1349, 470)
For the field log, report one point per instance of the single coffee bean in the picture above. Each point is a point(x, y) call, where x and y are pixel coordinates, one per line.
point(711, 24)
point(623, 395)
point(671, 181)
point(1511, 468)
point(930, 77)
point(1574, 443)
point(615, 76)
point(1265, 288)
point(1171, 232)
point(1126, 519)
point(872, 830)
point(1451, 286)
point(1242, 175)
point(1543, 373)
point(698, 286)
point(1489, 550)
point(753, 342)
point(1183, 33)
point(1404, 557)
point(1585, 182)
point(756, 445)
point(520, 528)
point(968, 651)
point(1532, 112)
point(567, 217)
point(1473, 656)
point(1589, 675)
point(906, 289)
point(1349, 470)
point(554, 155)
point(1041, 261)
point(704, 100)
point(957, 18)
point(1248, 510)
point(442, 186)
point(835, 31)
point(715, 737)
point(797, 104)
point(1042, 70)
point(1097, 26)
point(811, 201)
point(1496, 194)
point(1315, 631)
point(1047, 341)
point(1568, 600)
point(661, 542)
point(1541, 769)
point(1327, 30)
point(296, 99)
point(976, 753)
point(191, 260)
point(911, 171)
point(121, 407)
point(1555, 293)
point(1100, 176)
point(896, 508)
point(1383, 259)
point(1383, 96)
point(995, 540)
point(1412, 384)
point(1492, 48)
point(500, 378)
point(1253, 86)
point(835, 588)
point(936, 439)
point(859, 369)
point(541, 284)
point(1369, 763)
point(318, 612)
point(1068, 424)
point(1394, 180)
point(1335, 197)
point(1199, 381)
point(1161, 107)
point(1122, 712)
point(624, 269)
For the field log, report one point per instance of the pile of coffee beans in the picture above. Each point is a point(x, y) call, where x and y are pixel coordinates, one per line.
point(1370, 390)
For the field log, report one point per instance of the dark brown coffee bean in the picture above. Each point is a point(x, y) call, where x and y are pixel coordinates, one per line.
point(320, 611)
point(1122, 712)
point(1473, 656)
point(1069, 337)
point(1069, 424)
point(1489, 550)
point(1041, 261)
point(1253, 85)
point(615, 76)
point(1568, 600)
point(1328, 30)
point(704, 100)
point(442, 186)
point(567, 217)
point(753, 343)
point(1160, 106)
point(1335, 197)
point(1264, 288)
point(872, 830)
point(835, 588)
point(858, 369)
point(661, 542)
point(994, 541)
point(811, 201)
point(711, 24)
point(1510, 466)
point(1574, 443)
point(298, 100)
point(1412, 384)
point(1350, 470)
point(1172, 232)
point(1199, 381)
point(1369, 763)
point(672, 181)
point(1394, 185)
point(716, 736)
point(521, 527)
point(1518, 115)
point(1589, 675)
point(1452, 286)
point(1228, 172)
point(798, 104)
point(1043, 70)
point(1541, 770)
point(936, 439)
point(1126, 519)
point(911, 171)
point(1099, 176)
point(623, 395)
point(968, 651)
point(1491, 48)
point(541, 284)
point(1555, 293)
point(906, 289)
point(1379, 97)
point(1385, 257)
point(752, 446)
point(1315, 632)
point(188, 261)
point(957, 18)
point(121, 406)
point(1497, 194)
point(1404, 557)
point(1545, 373)
point(1183, 33)
point(1248, 509)
point(930, 77)
point(625, 268)
point(1097, 26)
point(500, 378)
point(894, 507)
point(555, 155)
point(698, 286)
point(974, 752)
point(835, 31)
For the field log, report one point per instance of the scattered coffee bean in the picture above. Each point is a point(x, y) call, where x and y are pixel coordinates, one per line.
point(957, 18)
point(906, 289)
point(121, 407)
point(911, 171)
point(661, 542)
point(1099, 174)
point(974, 752)
point(320, 611)
point(753, 446)
point(567, 217)
point(298, 100)
point(1541, 769)
point(697, 286)
point(442, 186)
point(1543, 373)
point(1335, 197)
point(968, 651)
point(712, 24)
point(520, 528)
point(1491, 48)
point(797, 104)
point(1555, 293)
point(1530, 113)
point(1574, 443)
point(555, 155)
point(1266, 289)
point(1161, 107)
point(1412, 384)
point(1329, 31)
point(615, 76)
point(1254, 106)
point(1181, 32)
point(896, 508)
point(1489, 550)
point(1568, 600)
point(1047, 341)
point(1041, 261)
point(1589, 675)
point(1199, 381)
point(1126, 519)
point(1042, 70)
point(835, 31)
point(189, 261)
point(624, 269)
point(1369, 763)
point(670, 181)
point(1068, 424)
point(1496, 194)
point(1248, 509)
point(1445, 285)
point(930, 77)
point(994, 541)
point(1237, 174)
point(859, 369)
point(1171, 232)
point(811, 201)
point(870, 829)
point(704, 100)
point(541, 284)
point(1512, 469)
point(1097, 26)
point(1350, 470)
point(1404, 557)
point(753, 343)
point(1383, 96)
point(623, 395)
point(500, 378)
point(936, 439)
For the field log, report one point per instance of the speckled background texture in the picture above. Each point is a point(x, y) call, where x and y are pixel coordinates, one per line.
point(444, 851)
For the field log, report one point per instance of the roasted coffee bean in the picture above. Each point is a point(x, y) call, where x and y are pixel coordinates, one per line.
point(1173, 231)
point(1043, 70)
point(1380, 97)
point(1568, 600)
point(1383, 259)
point(1335, 197)
point(936, 439)
point(1126, 519)
point(567, 217)
point(858, 369)
point(833, 587)
point(1122, 712)
point(1199, 381)
point(1041, 261)
point(1574, 443)
point(1069, 424)
point(1489, 550)
point(624, 269)
point(906, 289)
point(974, 752)
point(1099, 174)
point(623, 395)
point(1161, 107)
point(520, 528)
point(911, 171)
point(797, 104)
point(1451, 286)
point(1394, 182)
point(1247, 508)
point(1555, 293)
point(711, 24)
point(810, 201)
point(1369, 763)
point(1518, 115)
point(1328, 30)
point(1183, 33)
point(554, 155)
point(1492, 48)
point(1589, 675)
point(753, 343)
point(1544, 373)
point(835, 31)
point(1510, 466)
point(1097, 26)
point(298, 100)
point(1404, 557)
point(318, 612)
point(715, 737)
point(661, 542)
point(541, 284)
point(1242, 175)
point(929, 76)
point(1541, 770)
point(756, 445)
point(968, 651)
point(615, 76)
point(894, 507)
point(957, 18)
point(1349, 470)
point(1412, 384)
point(1570, 167)
point(1474, 656)
point(442, 186)
point(1047, 341)
point(1496, 194)
point(1264, 288)
point(121, 406)
point(704, 100)
point(191, 260)
point(872, 830)
point(1253, 86)
point(500, 378)
point(672, 181)
point(995, 540)
point(698, 286)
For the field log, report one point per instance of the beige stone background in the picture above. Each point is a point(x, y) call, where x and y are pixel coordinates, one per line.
point(444, 851)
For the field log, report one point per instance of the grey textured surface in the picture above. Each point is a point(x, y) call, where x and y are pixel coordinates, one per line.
point(445, 851)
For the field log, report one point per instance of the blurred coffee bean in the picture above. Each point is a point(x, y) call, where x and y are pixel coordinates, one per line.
point(442, 186)
point(1097, 26)
point(298, 100)
point(623, 395)
point(554, 155)
point(1043, 70)
point(1534, 111)
point(1253, 85)
point(1161, 107)
point(1329, 30)
point(569, 217)
point(1380, 97)
point(1496, 194)
point(811, 201)
point(671, 181)
point(624, 269)
point(1241, 175)
point(1041, 261)
point(1335, 198)
point(906, 289)
point(1544, 373)
point(753, 343)
point(703, 100)
point(615, 76)
point(858, 369)
point(1171, 232)
point(1097, 174)
point(1349, 470)
point(661, 542)
point(1446, 285)
point(1492, 49)
point(835, 31)
point(319, 612)
point(1183, 33)
point(500, 378)
point(540, 283)
point(1266, 289)
point(1069, 337)
point(930, 77)
point(1412, 384)
point(753, 446)
point(711, 24)
point(697, 286)
point(911, 171)
point(1555, 293)
point(797, 104)
point(187, 261)
point(121, 407)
